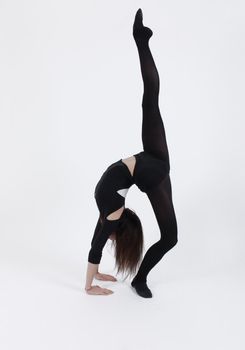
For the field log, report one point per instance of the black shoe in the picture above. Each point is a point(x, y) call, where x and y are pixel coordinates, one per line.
point(140, 32)
point(142, 289)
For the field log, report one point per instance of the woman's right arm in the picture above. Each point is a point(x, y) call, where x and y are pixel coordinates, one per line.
point(91, 272)
point(94, 290)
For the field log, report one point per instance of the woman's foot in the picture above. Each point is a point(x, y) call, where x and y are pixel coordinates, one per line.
point(141, 289)
point(140, 32)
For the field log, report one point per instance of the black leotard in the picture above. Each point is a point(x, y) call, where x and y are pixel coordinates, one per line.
point(111, 190)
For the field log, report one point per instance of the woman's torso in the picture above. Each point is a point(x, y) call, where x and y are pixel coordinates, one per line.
point(110, 191)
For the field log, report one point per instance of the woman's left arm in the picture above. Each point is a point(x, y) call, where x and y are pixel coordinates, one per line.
point(95, 253)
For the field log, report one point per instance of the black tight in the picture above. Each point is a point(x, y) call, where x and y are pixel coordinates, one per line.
point(154, 142)
point(161, 201)
point(153, 132)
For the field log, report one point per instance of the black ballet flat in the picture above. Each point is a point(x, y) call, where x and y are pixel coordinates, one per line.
point(142, 289)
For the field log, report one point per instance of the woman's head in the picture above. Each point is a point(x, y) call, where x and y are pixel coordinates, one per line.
point(128, 241)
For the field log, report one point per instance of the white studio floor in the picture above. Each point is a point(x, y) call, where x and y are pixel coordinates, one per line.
point(44, 307)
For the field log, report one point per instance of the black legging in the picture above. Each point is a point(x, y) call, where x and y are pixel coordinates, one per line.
point(154, 142)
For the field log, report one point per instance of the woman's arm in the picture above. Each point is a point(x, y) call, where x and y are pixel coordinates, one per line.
point(99, 241)
point(92, 270)
point(94, 290)
point(95, 254)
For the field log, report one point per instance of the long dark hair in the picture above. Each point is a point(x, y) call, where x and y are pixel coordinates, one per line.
point(128, 243)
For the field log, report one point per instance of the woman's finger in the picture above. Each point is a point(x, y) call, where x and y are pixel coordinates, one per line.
point(108, 291)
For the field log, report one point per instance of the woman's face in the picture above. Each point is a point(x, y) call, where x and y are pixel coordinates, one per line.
point(112, 236)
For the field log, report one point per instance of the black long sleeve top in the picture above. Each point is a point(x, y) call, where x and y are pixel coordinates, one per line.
point(110, 193)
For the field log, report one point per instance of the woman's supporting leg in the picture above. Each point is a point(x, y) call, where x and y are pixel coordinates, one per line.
point(161, 201)
point(153, 133)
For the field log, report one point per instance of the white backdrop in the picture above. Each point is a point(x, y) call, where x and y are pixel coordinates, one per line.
point(71, 92)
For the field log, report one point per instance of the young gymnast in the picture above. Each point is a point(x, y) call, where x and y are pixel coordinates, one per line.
point(149, 171)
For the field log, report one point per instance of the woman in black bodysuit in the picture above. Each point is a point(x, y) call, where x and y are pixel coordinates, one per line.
point(151, 175)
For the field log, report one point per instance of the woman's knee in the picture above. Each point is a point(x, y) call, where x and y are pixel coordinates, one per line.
point(168, 242)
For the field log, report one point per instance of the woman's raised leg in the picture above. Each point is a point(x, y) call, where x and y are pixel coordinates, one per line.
point(153, 132)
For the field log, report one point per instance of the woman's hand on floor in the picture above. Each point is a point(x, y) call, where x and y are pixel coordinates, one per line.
point(97, 290)
point(104, 277)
